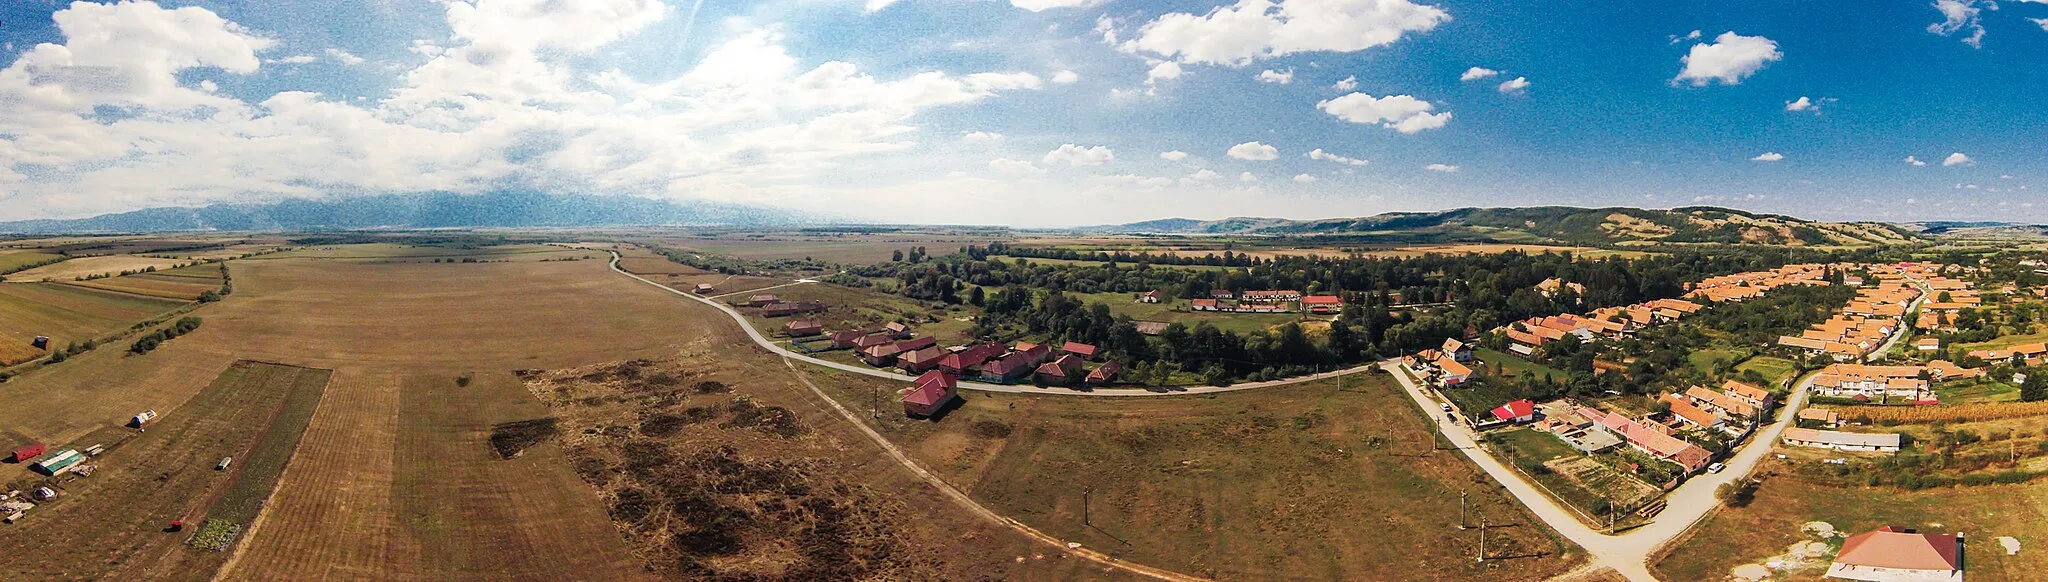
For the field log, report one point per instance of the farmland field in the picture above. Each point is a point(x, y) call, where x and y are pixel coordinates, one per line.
point(10, 260)
point(91, 266)
point(852, 308)
point(153, 285)
point(852, 248)
point(1125, 304)
point(1773, 368)
point(148, 479)
point(69, 313)
point(1336, 479)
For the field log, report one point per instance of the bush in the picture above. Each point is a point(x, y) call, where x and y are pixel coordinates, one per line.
point(1737, 493)
point(989, 429)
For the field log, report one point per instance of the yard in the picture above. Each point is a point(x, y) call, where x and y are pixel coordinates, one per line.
point(1773, 368)
point(1510, 365)
point(1176, 311)
point(1583, 482)
point(1983, 389)
point(1708, 360)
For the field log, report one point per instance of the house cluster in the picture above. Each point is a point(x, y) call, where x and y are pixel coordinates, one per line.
point(1951, 297)
point(1887, 383)
point(1733, 408)
point(1265, 301)
point(772, 306)
point(1843, 441)
point(1443, 367)
point(1749, 285)
point(1862, 326)
point(1649, 436)
point(1610, 322)
point(1550, 287)
point(2033, 354)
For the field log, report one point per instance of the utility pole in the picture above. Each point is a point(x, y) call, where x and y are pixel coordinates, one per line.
point(1085, 491)
point(1610, 513)
point(1482, 538)
point(1461, 510)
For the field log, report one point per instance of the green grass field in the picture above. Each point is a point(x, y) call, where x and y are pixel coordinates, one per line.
point(1511, 366)
point(2006, 341)
point(1127, 304)
point(1977, 390)
point(10, 260)
point(1707, 360)
point(1775, 368)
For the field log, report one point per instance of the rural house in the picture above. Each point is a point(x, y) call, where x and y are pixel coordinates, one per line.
point(1084, 351)
point(802, 328)
point(1204, 305)
point(1693, 415)
point(1657, 444)
point(1008, 368)
point(1457, 350)
point(1322, 304)
point(897, 329)
point(847, 338)
point(1063, 370)
point(1843, 441)
point(1104, 374)
point(961, 360)
point(929, 394)
point(921, 359)
point(705, 288)
point(760, 300)
point(1893, 553)
point(1517, 412)
point(869, 340)
point(1153, 296)
point(1036, 352)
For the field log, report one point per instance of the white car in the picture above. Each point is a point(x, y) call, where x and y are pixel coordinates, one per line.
point(1447, 407)
point(1716, 468)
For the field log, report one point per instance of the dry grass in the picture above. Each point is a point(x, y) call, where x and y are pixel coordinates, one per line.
point(1947, 413)
point(152, 285)
point(94, 266)
point(68, 313)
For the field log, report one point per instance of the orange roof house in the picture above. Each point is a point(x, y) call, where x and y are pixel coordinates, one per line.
point(1896, 553)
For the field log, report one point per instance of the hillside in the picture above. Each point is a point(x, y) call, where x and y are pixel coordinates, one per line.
point(429, 210)
point(1556, 224)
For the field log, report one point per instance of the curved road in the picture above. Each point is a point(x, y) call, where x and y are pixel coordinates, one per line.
point(771, 346)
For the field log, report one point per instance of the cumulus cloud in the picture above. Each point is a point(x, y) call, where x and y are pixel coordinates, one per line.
point(1348, 84)
point(294, 60)
point(1768, 157)
point(343, 57)
point(1960, 15)
point(1065, 77)
point(1304, 178)
point(1319, 154)
point(1477, 73)
point(1515, 85)
point(1247, 177)
point(1400, 113)
point(1173, 156)
point(1728, 59)
point(1080, 156)
point(980, 136)
point(1163, 70)
point(2041, 21)
point(1044, 5)
point(1276, 77)
point(1912, 161)
point(1441, 168)
point(1014, 167)
point(1801, 104)
point(1957, 159)
point(1201, 176)
point(1255, 29)
point(506, 98)
point(1252, 150)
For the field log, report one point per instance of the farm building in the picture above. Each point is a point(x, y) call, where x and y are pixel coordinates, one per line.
point(142, 419)
point(781, 309)
point(760, 300)
point(1843, 441)
point(57, 462)
point(803, 327)
point(28, 451)
point(930, 394)
point(897, 329)
point(1322, 303)
point(1064, 370)
point(705, 288)
point(961, 360)
point(1104, 374)
point(1007, 368)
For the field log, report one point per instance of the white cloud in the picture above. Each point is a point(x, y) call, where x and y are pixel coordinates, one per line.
point(1319, 154)
point(1768, 157)
point(1516, 85)
point(1277, 77)
point(1044, 5)
point(1253, 150)
point(1080, 156)
point(1173, 156)
point(343, 57)
point(1694, 35)
point(1163, 70)
point(1441, 168)
point(1958, 15)
point(876, 5)
point(1348, 84)
point(980, 136)
point(2041, 21)
point(1801, 104)
point(294, 60)
point(1912, 161)
point(1957, 159)
point(1400, 113)
point(1255, 29)
point(1728, 59)
point(1304, 178)
point(1201, 176)
point(1477, 73)
point(1014, 167)
point(1247, 177)
point(1065, 77)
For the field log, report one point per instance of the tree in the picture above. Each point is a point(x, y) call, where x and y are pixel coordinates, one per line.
point(2035, 389)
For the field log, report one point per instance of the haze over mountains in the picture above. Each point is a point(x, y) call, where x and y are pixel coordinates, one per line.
point(1558, 224)
point(427, 210)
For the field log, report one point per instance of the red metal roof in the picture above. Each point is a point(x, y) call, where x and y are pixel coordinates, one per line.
point(1078, 348)
point(1514, 410)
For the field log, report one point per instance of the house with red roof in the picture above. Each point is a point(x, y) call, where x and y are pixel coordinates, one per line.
point(930, 393)
point(1104, 374)
point(1657, 443)
point(869, 340)
point(920, 360)
point(1153, 296)
point(1892, 553)
point(1085, 351)
point(1694, 415)
point(846, 338)
point(1322, 303)
point(1037, 352)
point(881, 354)
point(1204, 305)
point(961, 360)
point(1518, 412)
point(802, 328)
point(1008, 368)
point(1063, 370)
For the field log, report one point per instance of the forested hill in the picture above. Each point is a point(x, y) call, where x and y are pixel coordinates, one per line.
point(1554, 224)
point(428, 210)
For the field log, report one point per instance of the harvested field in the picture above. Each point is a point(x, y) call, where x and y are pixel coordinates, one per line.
point(1334, 480)
point(150, 285)
point(147, 479)
point(69, 313)
point(399, 252)
point(14, 352)
point(10, 260)
point(1945, 413)
point(93, 266)
point(850, 308)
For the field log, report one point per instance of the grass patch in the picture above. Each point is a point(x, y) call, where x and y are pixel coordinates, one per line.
point(1512, 366)
point(1774, 368)
point(1977, 390)
point(261, 466)
point(1172, 311)
point(1710, 359)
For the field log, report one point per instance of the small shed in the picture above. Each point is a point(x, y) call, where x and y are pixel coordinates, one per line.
point(29, 451)
point(42, 342)
point(705, 288)
point(142, 419)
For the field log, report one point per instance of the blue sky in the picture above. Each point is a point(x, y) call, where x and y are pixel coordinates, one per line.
point(1036, 112)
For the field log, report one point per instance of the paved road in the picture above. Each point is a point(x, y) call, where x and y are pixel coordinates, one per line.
point(1629, 552)
point(771, 346)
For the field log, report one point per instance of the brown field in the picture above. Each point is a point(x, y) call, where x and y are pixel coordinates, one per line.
point(1731, 537)
point(68, 313)
point(854, 248)
point(148, 479)
point(851, 308)
point(93, 266)
point(10, 260)
point(1946, 413)
point(153, 285)
point(644, 262)
point(1326, 480)
point(428, 254)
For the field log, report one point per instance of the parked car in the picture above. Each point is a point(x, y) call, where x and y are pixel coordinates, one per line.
point(1716, 468)
point(1447, 407)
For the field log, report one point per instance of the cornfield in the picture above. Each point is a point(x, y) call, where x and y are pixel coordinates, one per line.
point(1954, 413)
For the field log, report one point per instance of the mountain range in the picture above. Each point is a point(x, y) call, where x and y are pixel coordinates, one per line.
point(424, 210)
point(1551, 224)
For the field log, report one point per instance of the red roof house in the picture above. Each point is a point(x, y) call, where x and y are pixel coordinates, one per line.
point(847, 338)
point(917, 344)
point(802, 327)
point(1896, 553)
point(1104, 374)
point(1322, 303)
point(1085, 351)
point(1037, 352)
point(957, 363)
point(1064, 370)
point(920, 360)
point(1517, 412)
point(1007, 368)
point(872, 340)
point(930, 393)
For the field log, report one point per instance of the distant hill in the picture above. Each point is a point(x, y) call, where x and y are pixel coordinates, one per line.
point(1551, 224)
point(428, 210)
point(1980, 230)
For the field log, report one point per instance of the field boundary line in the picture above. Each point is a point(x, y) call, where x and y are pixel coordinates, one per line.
point(961, 498)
